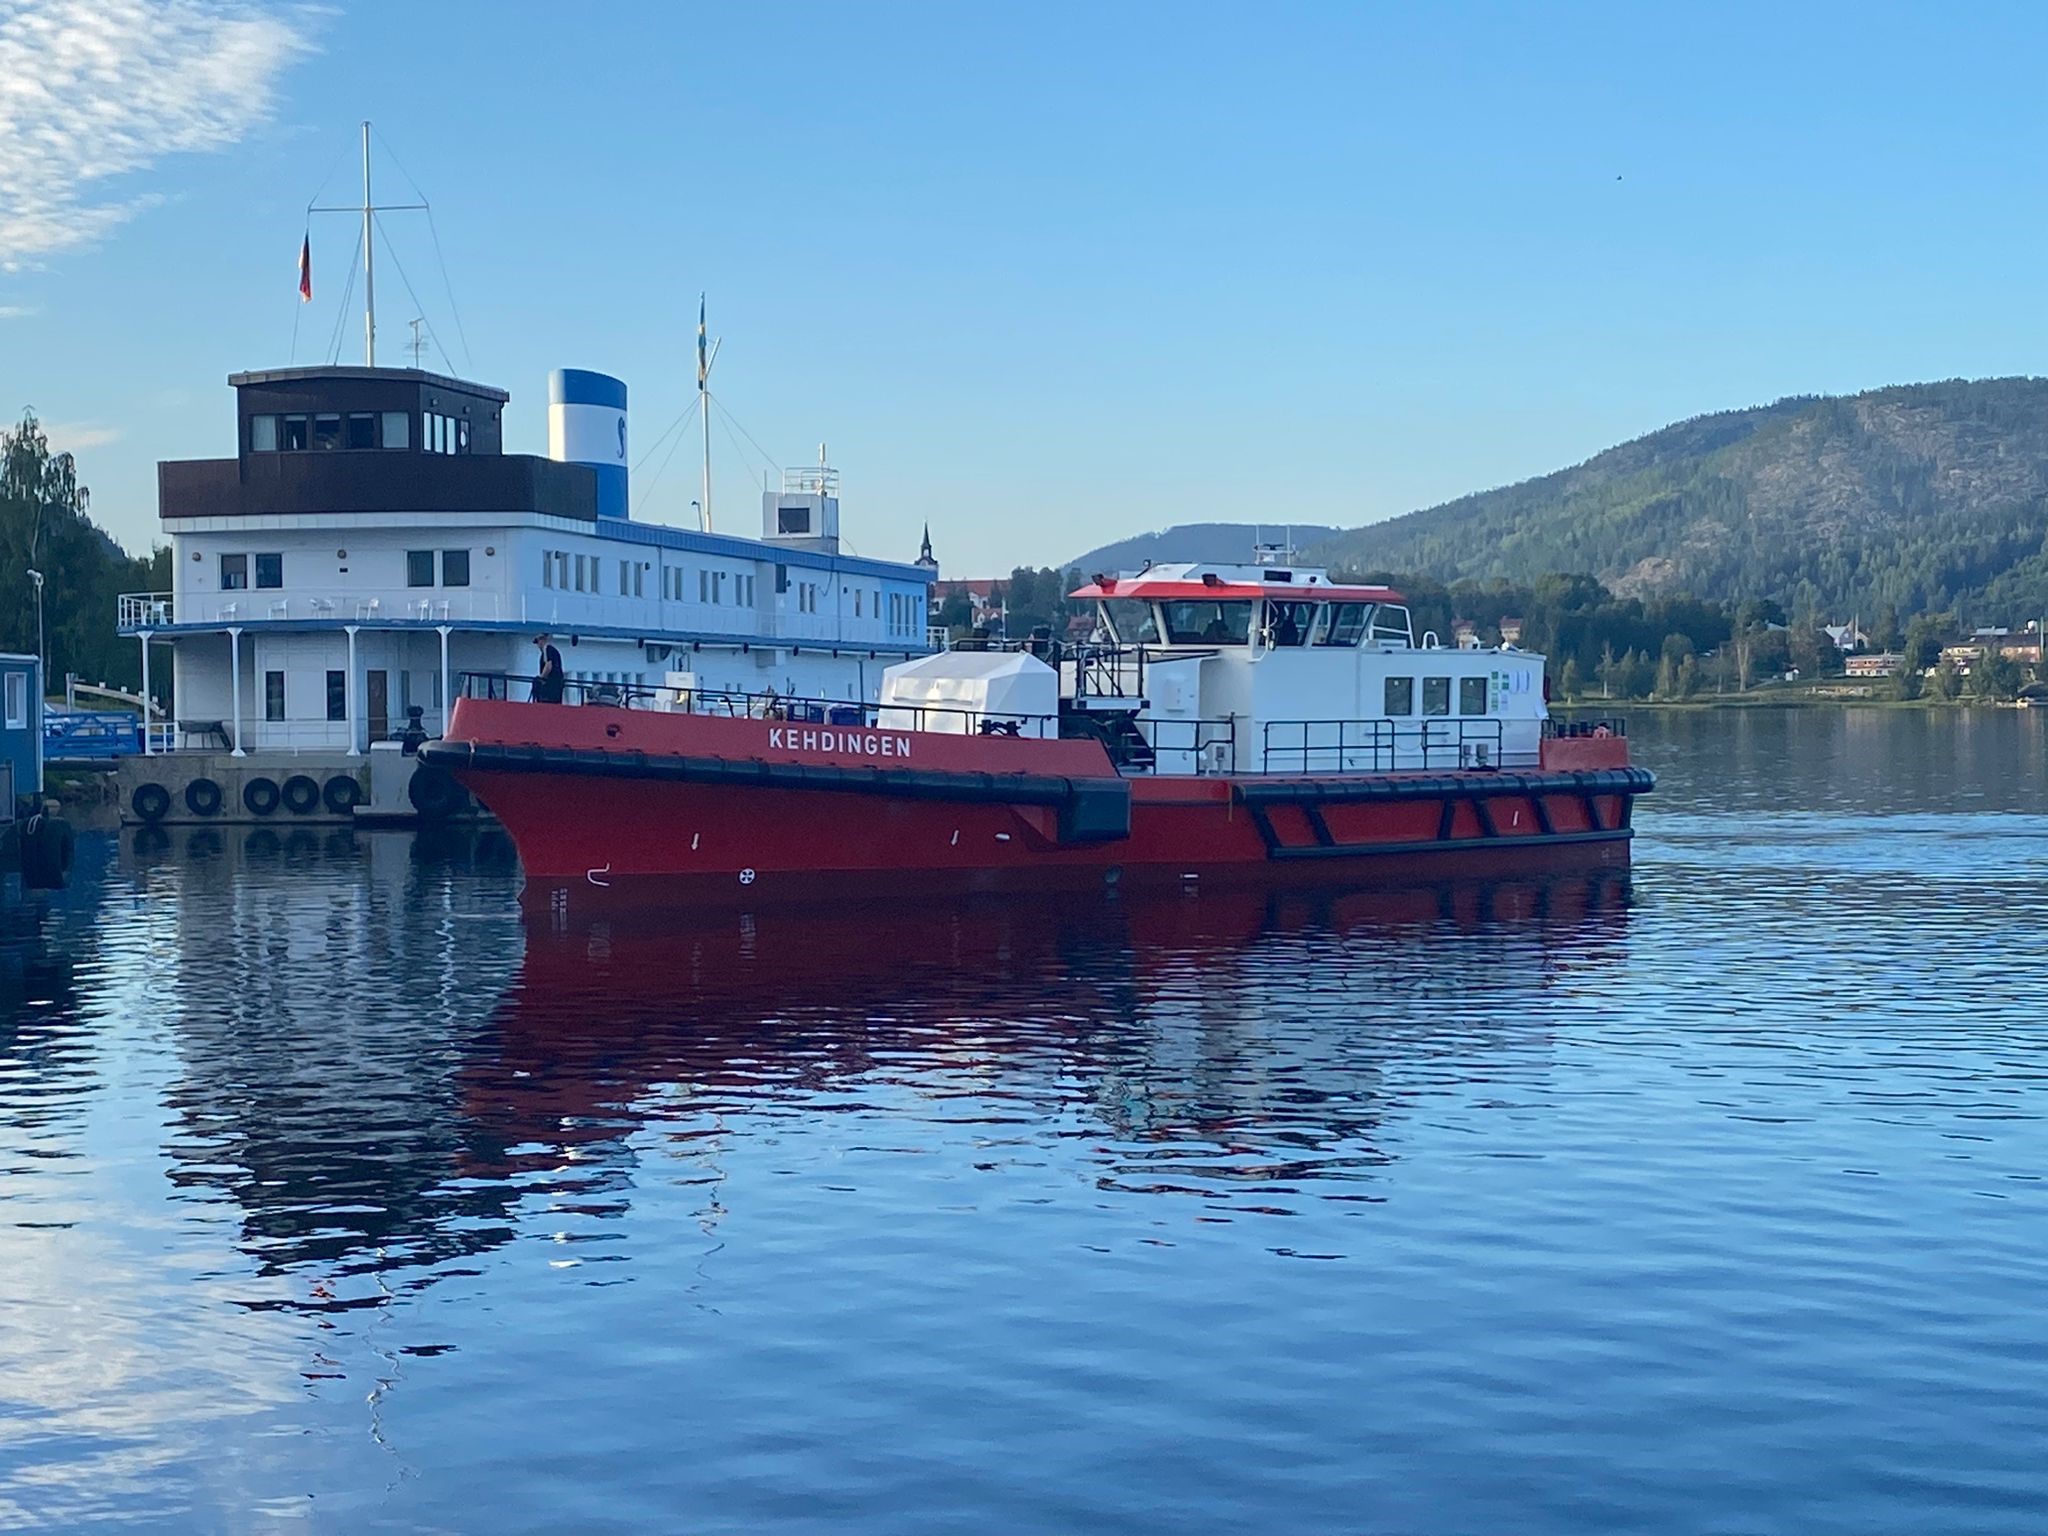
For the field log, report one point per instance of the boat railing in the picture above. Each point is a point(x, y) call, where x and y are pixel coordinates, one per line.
point(1603, 725)
point(1380, 746)
point(1135, 745)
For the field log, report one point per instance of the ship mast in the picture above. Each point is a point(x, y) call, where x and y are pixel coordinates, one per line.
point(705, 358)
point(369, 208)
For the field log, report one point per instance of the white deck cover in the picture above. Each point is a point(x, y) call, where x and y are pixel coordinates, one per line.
point(999, 686)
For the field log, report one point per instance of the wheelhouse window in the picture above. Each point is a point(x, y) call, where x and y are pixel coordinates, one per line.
point(1347, 624)
point(327, 431)
point(1131, 620)
point(1288, 623)
point(270, 570)
point(1204, 623)
point(1471, 695)
point(397, 429)
point(297, 431)
point(454, 567)
point(1400, 697)
point(1436, 695)
point(361, 430)
point(419, 567)
point(263, 434)
point(234, 573)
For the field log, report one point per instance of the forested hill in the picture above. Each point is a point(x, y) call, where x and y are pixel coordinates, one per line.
point(1920, 498)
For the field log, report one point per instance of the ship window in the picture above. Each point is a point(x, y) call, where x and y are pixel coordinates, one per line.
point(1131, 620)
point(703, 586)
point(419, 567)
point(1400, 697)
point(1288, 623)
point(1201, 623)
point(454, 567)
point(263, 434)
point(397, 429)
point(337, 695)
point(1347, 623)
point(792, 519)
point(234, 572)
point(326, 431)
point(295, 431)
point(1471, 695)
point(362, 430)
point(782, 578)
point(270, 570)
point(17, 700)
point(547, 568)
point(462, 435)
point(1436, 695)
point(273, 695)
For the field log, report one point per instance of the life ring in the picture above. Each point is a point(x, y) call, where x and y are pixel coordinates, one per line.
point(46, 847)
point(202, 797)
point(434, 792)
point(301, 794)
point(151, 802)
point(1602, 731)
point(342, 794)
point(260, 796)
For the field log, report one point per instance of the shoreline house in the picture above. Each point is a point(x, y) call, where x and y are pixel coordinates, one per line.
point(370, 538)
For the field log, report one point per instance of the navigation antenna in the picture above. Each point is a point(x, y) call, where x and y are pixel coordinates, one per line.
point(418, 344)
point(368, 208)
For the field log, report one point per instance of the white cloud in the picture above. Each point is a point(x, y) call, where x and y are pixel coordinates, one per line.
point(18, 311)
point(95, 90)
point(71, 436)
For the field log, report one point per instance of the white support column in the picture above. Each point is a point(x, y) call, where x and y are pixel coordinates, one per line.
point(355, 747)
point(447, 699)
point(235, 686)
point(145, 694)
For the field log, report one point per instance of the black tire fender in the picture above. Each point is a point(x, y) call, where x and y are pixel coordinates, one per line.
point(301, 794)
point(202, 797)
point(260, 796)
point(150, 802)
point(342, 794)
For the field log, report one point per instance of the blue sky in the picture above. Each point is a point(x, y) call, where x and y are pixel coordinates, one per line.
point(1045, 275)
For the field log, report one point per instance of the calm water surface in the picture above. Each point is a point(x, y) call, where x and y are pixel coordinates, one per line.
point(335, 1197)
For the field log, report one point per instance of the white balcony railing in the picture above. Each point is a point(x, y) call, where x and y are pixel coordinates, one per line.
point(146, 610)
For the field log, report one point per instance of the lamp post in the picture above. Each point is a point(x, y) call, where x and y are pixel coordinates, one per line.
point(42, 661)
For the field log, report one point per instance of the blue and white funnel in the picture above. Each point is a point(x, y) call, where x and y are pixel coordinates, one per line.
point(587, 425)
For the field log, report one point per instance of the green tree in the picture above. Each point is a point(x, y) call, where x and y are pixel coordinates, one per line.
point(1688, 676)
point(1946, 682)
point(1995, 676)
point(1569, 683)
point(44, 527)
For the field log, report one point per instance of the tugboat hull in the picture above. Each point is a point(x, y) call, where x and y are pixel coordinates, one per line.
point(651, 806)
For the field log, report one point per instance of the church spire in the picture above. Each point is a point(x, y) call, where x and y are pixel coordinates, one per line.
point(925, 557)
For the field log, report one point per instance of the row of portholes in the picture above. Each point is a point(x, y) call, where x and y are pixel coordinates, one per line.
point(301, 795)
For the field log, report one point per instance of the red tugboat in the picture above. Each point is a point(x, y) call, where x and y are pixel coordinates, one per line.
point(1248, 726)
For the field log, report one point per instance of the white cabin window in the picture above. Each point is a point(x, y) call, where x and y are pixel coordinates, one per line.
point(234, 573)
point(1436, 695)
point(1471, 695)
point(703, 586)
point(1204, 623)
point(547, 568)
point(1400, 697)
point(17, 701)
point(1347, 625)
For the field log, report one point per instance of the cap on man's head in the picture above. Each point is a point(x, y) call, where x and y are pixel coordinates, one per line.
point(541, 638)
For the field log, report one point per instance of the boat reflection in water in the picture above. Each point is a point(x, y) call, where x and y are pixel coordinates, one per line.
point(391, 1070)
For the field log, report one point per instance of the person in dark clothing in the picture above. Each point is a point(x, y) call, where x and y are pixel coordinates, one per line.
point(547, 687)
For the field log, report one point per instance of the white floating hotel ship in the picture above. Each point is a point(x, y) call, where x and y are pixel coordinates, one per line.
point(370, 539)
